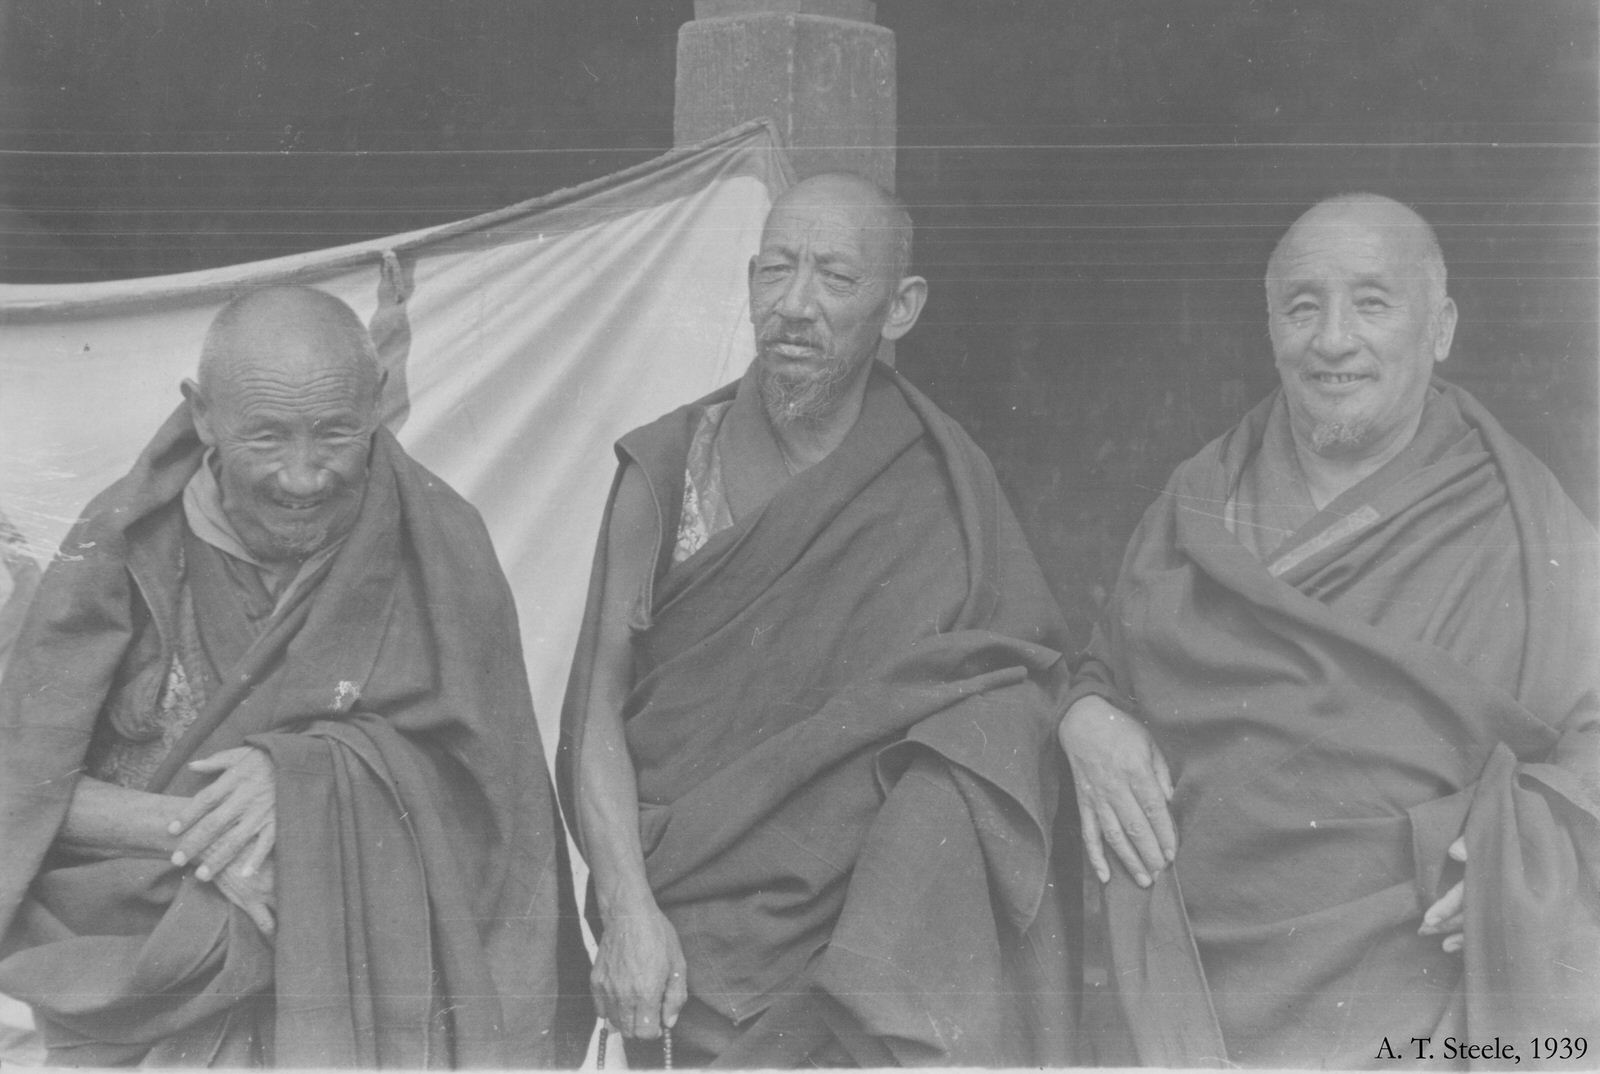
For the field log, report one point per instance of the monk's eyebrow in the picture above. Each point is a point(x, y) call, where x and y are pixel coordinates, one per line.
point(1289, 289)
point(839, 259)
point(775, 250)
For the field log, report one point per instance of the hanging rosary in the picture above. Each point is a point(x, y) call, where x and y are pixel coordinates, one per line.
point(600, 1048)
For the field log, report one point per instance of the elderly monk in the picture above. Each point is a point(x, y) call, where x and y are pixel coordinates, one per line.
point(273, 792)
point(807, 736)
point(1339, 722)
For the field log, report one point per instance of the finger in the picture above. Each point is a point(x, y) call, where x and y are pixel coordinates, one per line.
point(677, 995)
point(1153, 803)
point(260, 847)
point(1091, 840)
point(208, 829)
point(238, 802)
point(246, 898)
point(645, 1014)
point(619, 1013)
point(1454, 943)
point(609, 1000)
point(623, 1008)
point(1158, 764)
point(220, 760)
point(603, 1007)
point(1458, 849)
point(205, 832)
point(1111, 829)
point(263, 918)
point(233, 772)
point(1448, 907)
point(223, 850)
point(1136, 826)
point(203, 802)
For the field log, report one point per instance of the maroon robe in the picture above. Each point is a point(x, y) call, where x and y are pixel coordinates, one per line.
point(842, 729)
point(1415, 663)
point(424, 909)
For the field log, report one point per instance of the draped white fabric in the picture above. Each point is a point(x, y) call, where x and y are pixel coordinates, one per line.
point(528, 341)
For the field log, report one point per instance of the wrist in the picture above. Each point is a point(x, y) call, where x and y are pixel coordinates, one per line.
point(622, 901)
point(1089, 710)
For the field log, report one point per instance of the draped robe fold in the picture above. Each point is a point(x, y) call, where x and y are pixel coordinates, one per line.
point(841, 727)
point(425, 916)
point(1335, 716)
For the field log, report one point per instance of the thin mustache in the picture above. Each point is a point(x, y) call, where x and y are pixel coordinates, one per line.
point(801, 339)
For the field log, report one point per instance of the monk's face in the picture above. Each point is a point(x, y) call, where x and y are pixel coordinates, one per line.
point(820, 290)
point(1356, 327)
point(291, 417)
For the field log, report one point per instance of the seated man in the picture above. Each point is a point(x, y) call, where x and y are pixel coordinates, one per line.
point(803, 735)
point(272, 789)
point(1359, 628)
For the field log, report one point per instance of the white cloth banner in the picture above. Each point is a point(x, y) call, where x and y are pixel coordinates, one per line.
point(531, 339)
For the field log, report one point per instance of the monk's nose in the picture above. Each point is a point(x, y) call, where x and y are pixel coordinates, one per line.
point(1334, 334)
point(301, 475)
point(795, 302)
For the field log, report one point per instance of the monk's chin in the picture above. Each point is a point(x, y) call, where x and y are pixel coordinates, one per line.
point(803, 399)
point(295, 541)
point(1338, 437)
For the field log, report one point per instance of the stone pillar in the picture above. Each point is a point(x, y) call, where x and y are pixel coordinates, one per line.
point(822, 70)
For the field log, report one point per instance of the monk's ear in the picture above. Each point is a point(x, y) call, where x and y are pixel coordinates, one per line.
point(198, 412)
point(905, 307)
point(1444, 329)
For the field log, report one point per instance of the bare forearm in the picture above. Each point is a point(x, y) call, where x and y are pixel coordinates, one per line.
point(608, 808)
point(608, 789)
point(113, 821)
point(640, 975)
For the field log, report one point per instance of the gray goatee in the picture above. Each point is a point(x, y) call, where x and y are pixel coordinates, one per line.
point(803, 398)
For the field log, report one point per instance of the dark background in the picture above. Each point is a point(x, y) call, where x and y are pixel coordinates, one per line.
point(1096, 185)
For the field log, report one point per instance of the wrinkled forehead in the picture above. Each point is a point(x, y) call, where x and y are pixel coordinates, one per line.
point(295, 373)
point(829, 222)
point(1350, 242)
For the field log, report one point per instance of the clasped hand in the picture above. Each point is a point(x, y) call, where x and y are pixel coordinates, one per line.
point(639, 972)
point(230, 828)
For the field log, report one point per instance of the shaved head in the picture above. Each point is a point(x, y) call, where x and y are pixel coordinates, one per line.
point(890, 221)
point(1408, 230)
point(283, 327)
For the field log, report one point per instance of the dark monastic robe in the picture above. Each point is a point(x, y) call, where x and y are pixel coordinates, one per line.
point(1341, 694)
point(424, 909)
point(842, 730)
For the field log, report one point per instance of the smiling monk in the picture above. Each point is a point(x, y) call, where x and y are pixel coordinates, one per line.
point(271, 790)
point(1339, 723)
point(806, 739)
